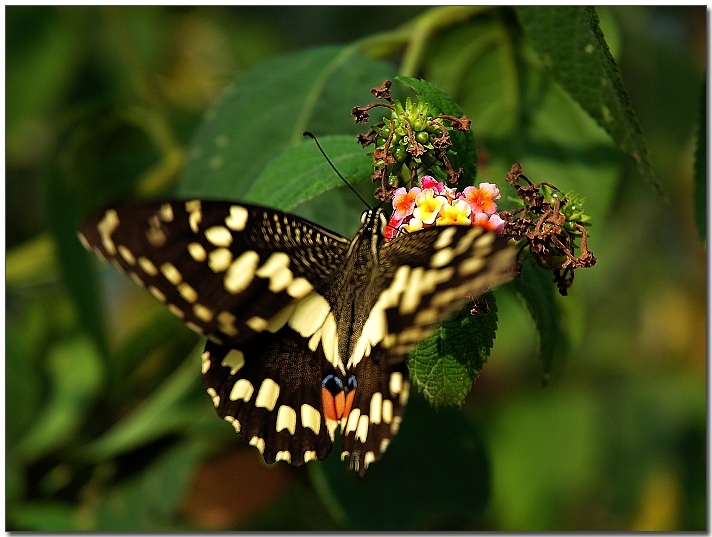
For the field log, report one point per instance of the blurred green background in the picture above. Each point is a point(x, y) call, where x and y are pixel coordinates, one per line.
point(107, 424)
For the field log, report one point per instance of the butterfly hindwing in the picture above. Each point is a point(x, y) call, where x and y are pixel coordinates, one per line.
point(268, 390)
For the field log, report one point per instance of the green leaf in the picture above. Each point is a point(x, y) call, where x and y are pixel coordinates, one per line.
point(75, 262)
point(571, 45)
point(75, 373)
point(267, 110)
point(536, 289)
point(157, 416)
point(149, 501)
point(301, 172)
point(444, 366)
point(463, 143)
point(434, 476)
point(701, 166)
point(51, 517)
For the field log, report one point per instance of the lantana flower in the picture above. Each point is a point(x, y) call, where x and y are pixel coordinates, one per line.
point(434, 204)
point(482, 199)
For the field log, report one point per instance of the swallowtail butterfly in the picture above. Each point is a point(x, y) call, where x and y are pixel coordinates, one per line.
point(306, 330)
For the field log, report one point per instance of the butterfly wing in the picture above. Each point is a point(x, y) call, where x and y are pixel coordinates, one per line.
point(248, 278)
point(226, 270)
point(423, 276)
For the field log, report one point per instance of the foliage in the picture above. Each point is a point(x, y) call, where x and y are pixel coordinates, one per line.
point(107, 426)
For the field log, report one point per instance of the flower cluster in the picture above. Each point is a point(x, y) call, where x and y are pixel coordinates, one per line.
point(434, 204)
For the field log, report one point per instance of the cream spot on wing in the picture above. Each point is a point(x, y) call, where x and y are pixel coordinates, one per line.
point(465, 242)
point(395, 383)
point(157, 293)
point(202, 313)
point(376, 407)
point(241, 272)
point(368, 458)
point(309, 455)
point(214, 396)
point(299, 288)
point(258, 442)
point(197, 252)
point(286, 419)
point(171, 273)
point(126, 254)
point(276, 269)
point(147, 266)
point(258, 324)
point(242, 390)
point(234, 359)
point(352, 421)
point(384, 445)
point(194, 327)
point(226, 323)
point(233, 421)
point(84, 241)
point(237, 219)
point(445, 238)
point(442, 257)
point(309, 314)
point(268, 394)
point(205, 362)
point(283, 456)
point(187, 292)
point(387, 415)
point(362, 428)
point(471, 265)
point(166, 212)
point(311, 418)
point(220, 259)
point(106, 227)
point(219, 236)
point(195, 214)
point(175, 310)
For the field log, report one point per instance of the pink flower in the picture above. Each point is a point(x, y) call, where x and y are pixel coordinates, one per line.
point(428, 181)
point(490, 223)
point(404, 202)
point(482, 199)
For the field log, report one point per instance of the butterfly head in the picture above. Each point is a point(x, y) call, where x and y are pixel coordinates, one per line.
point(373, 222)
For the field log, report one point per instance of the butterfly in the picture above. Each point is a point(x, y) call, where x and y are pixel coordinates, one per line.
point(307, 331)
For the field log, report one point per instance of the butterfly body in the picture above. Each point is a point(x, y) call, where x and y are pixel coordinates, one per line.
point(308, 332)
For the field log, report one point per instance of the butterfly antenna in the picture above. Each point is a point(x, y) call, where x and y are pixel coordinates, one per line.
point(359, 196)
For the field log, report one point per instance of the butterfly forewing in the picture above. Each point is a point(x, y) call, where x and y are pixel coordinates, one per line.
point(308, 332)
point(226, 270)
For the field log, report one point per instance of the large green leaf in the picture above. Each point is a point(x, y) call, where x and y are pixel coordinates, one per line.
point(301, 172)
point(75, 371)
point(571, 45)
point(536, 289)
point(267, 110)
point(445, 365)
